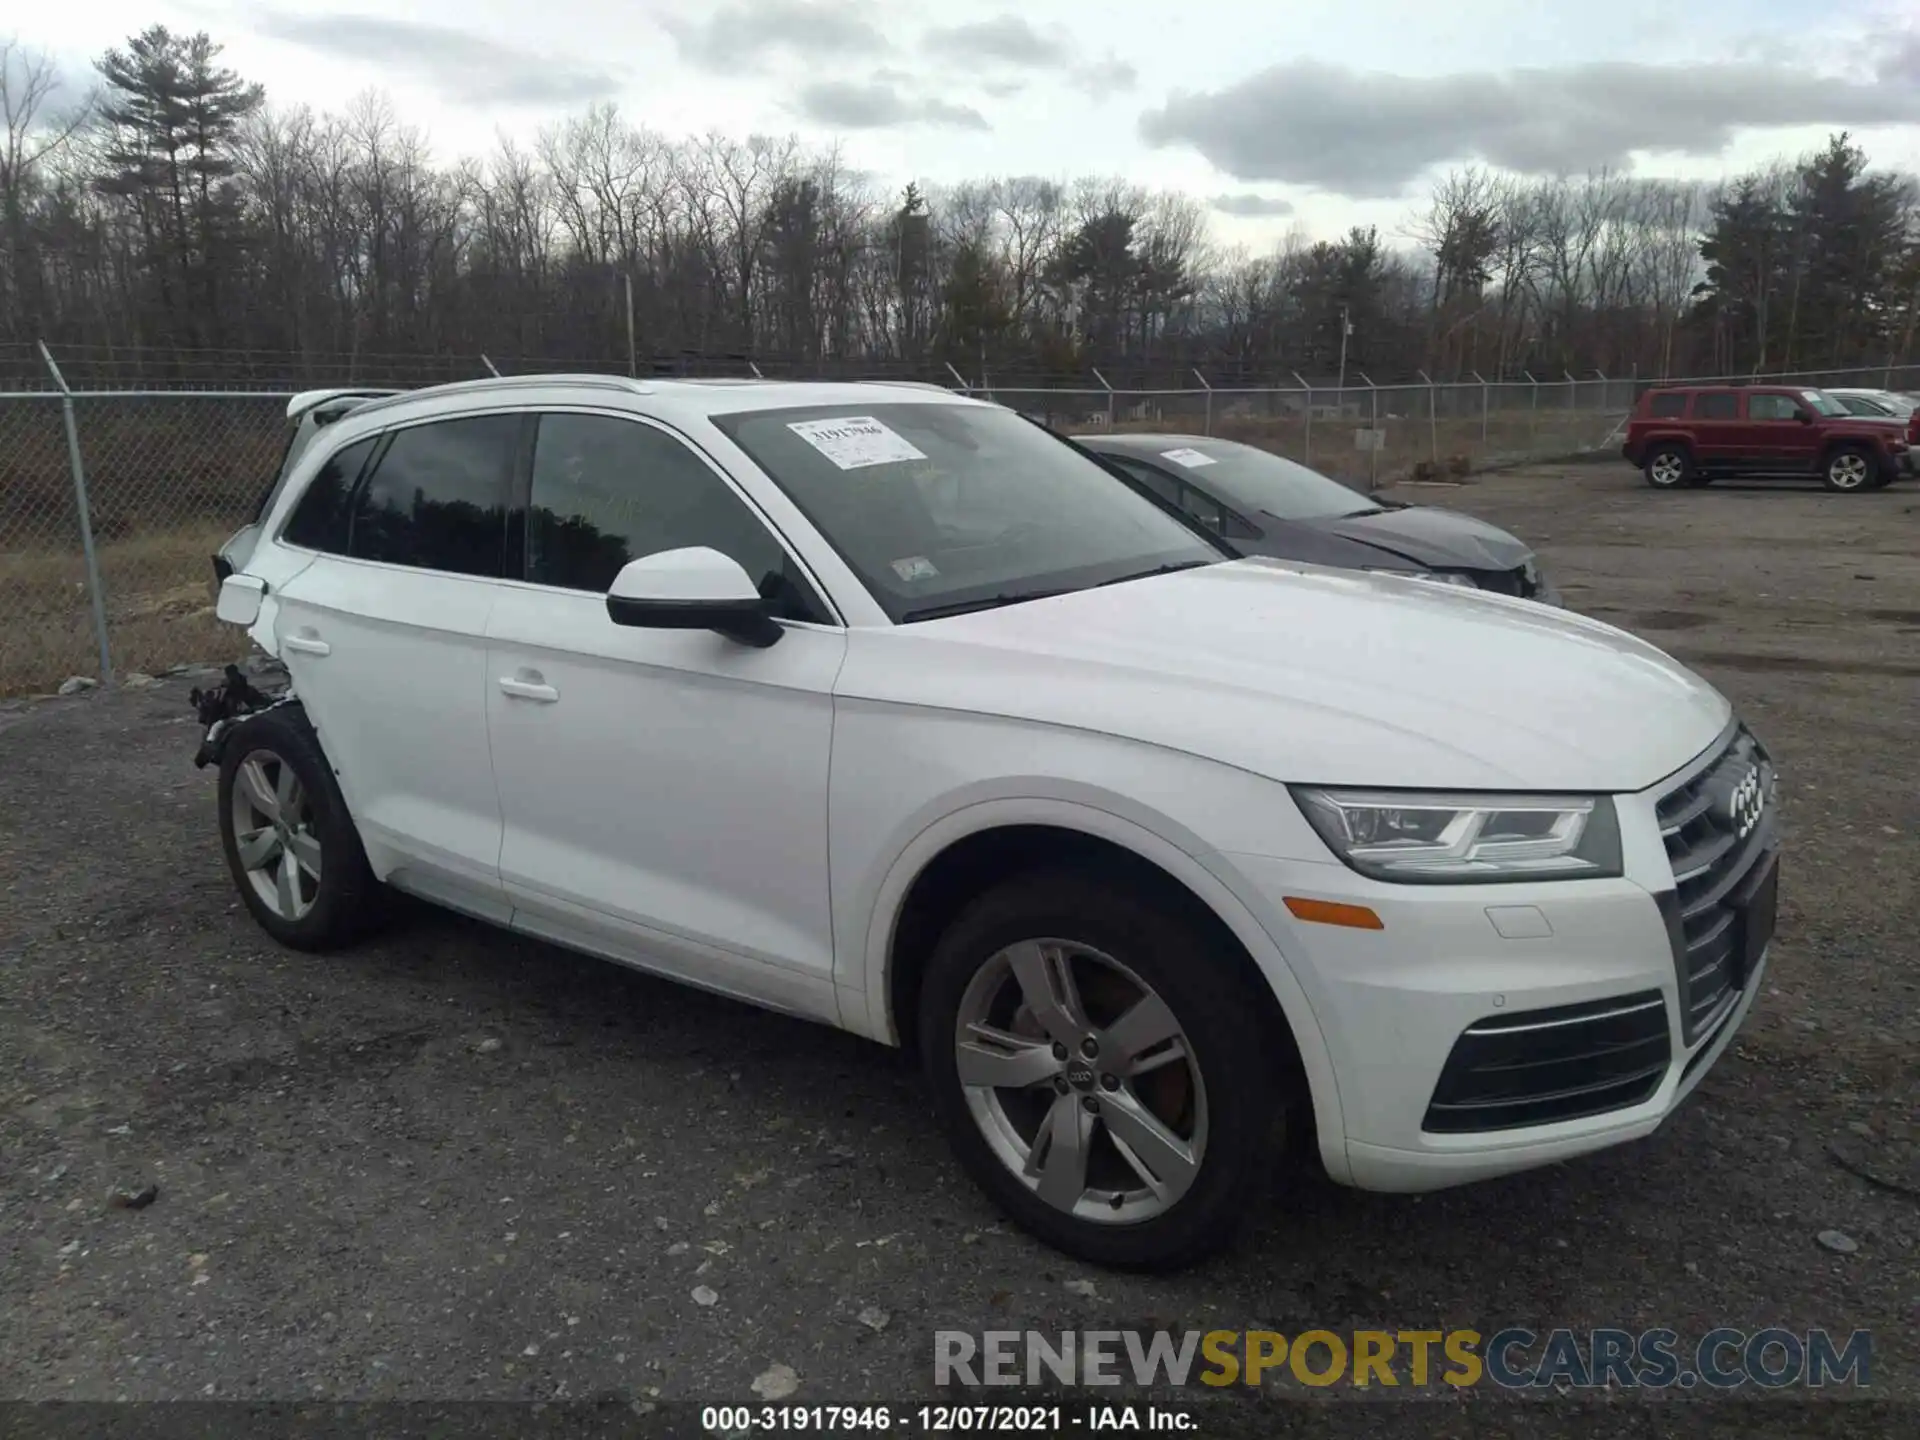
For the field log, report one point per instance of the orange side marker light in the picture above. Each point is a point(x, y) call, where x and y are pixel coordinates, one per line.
point(1329, 912)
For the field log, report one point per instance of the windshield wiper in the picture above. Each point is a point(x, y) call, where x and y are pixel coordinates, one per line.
point(994, 602)
point(967, 607)
point(1157, 570)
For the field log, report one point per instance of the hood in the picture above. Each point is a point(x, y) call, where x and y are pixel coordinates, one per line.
point(1314, 544)
point(1308, 674)
point(1443, 539)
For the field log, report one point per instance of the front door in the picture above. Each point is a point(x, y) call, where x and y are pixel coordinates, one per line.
point(384, 636)
point(664, 793)
point(1779, 436)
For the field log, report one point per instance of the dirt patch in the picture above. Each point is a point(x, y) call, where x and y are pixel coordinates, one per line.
point(1800, 664)
point(1671, 619)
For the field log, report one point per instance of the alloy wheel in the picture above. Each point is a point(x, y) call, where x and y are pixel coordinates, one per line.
point(1668, 468)
point(1848, 471)
point(273, 834)
point(1082, 1081)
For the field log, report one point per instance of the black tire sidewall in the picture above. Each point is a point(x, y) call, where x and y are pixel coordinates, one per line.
point(344, 905)
point(1246, 1110)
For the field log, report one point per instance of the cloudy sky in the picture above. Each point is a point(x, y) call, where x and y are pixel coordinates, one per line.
point(1318, 112)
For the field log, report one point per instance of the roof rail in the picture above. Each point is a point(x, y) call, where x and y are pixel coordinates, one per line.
point(913, 385)
point(490, 383)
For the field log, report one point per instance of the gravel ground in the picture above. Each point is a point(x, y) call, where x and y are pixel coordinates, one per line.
point(454, 1164)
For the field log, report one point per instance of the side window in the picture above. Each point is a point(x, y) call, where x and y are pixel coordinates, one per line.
point(438, 499)
point(319, 521)
point(1203, 508)
point(607, 491)
point(1162, 484)
point(1716, 405)
point(1234, 528)
point(1771, 407)
point(1668, 405)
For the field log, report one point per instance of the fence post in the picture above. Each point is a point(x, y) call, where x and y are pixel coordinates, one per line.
point(965, 388)
point(1433, 414)
point(1209, 389)
point(1533, 411)
point(1486, 408)
point(1308, 460)
point(86, 519)
point(1573, 389)
point(1373, 426)
point(1109, 389)
point(1606, 391)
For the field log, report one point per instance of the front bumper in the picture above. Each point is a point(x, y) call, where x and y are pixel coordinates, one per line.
point(1487, 1029)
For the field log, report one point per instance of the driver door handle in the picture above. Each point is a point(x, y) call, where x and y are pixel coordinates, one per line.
point(306, 644)
point(534, 690)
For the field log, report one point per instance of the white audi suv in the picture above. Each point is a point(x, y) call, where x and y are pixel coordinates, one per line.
point(884, 707)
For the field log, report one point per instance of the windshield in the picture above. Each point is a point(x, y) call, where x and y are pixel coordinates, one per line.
point(940, 508)
point(1823, 403)
point(1251, 479)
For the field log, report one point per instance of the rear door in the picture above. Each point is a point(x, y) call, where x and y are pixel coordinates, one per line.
point(1719, 432)
point(384, 635)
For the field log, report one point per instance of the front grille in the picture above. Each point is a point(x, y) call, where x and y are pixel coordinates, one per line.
point(1540, 1066)
point(1711, 862)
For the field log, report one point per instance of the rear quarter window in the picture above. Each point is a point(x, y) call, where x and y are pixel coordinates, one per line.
point(1669, 405)
point(319, 521)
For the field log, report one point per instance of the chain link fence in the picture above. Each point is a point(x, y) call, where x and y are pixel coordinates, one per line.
point(1363, 434)
point(166, 477)
point(163, 477)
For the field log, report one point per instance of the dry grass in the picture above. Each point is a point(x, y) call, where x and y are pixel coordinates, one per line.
point(159, 609)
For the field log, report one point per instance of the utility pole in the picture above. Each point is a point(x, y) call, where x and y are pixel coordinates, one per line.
point(633, 368)
point(1346, 329)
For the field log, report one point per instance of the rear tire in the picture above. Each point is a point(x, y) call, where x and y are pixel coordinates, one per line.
point(1669, 467)
point(290, 844)
point(1061, 1147)
point(1850, 468)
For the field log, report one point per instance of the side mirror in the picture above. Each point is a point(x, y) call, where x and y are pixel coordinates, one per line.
point(1805, 417)
point(692, 589)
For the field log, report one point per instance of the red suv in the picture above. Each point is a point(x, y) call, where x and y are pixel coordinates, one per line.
point(1694, 434)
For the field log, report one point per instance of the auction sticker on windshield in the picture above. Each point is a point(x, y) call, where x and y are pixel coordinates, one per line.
point(1192, 459)
point(854, 442)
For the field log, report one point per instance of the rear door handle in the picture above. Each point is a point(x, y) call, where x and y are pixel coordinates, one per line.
point(528, 690)
point(306, 645)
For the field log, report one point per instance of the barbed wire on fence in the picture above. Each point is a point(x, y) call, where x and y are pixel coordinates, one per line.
point(165, 475)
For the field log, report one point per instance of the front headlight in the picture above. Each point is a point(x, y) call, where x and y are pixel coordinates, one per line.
point(1419, 837)
point(1439, 577)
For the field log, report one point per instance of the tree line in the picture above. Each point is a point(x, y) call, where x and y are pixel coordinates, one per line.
point(177, 216)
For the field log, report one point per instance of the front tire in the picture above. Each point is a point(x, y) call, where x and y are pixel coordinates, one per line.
point(1850, 468)
point(1103, 1070)
point(1669, 467)
point(290, 844)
